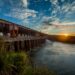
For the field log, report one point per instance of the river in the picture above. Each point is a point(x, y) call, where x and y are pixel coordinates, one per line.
point(57, 56)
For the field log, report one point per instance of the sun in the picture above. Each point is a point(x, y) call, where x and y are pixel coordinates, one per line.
point(66, 34)
point(63, 37)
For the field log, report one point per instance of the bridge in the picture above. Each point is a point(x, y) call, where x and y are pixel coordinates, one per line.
point(17, 37)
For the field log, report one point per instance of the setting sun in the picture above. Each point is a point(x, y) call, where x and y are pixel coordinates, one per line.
point(66, 35)
point(63, 36)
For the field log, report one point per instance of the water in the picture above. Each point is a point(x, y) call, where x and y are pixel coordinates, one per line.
point(57, 56)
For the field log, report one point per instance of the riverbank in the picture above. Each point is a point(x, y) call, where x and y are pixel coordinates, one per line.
point(19, 63)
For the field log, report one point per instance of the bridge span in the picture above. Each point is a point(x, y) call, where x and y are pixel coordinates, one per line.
point(17, 37)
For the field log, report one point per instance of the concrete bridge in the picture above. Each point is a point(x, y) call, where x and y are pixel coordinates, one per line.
point(17, 37)
point(26, 43)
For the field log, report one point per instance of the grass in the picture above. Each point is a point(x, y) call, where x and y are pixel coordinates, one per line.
point(18, 63)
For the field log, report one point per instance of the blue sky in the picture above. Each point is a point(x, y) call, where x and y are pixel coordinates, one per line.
point(34, 13)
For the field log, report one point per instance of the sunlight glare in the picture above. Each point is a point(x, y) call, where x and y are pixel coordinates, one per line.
point(66, 35)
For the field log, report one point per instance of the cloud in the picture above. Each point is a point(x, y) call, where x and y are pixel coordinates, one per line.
point(62, 0)
point(25, 3)
point(13, 4)
point(22, 14)
point(66, 10)
point(63, 12)
point(46, 18)
point(50, 20)
point(59, 13)
point(67, 23)
point(18, 9)
point(54, 1)
point(44, 28)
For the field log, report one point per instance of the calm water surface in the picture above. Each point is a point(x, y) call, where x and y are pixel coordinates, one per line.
point(57, 56)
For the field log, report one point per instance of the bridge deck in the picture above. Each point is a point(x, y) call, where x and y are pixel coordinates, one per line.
point(21, 38)
point(23, 42)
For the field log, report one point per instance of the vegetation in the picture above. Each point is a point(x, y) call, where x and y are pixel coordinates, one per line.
point(18, 63)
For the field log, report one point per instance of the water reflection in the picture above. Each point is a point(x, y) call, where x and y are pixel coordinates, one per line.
point(57, 56)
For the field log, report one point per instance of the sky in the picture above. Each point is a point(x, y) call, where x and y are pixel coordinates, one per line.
point(39, 14)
